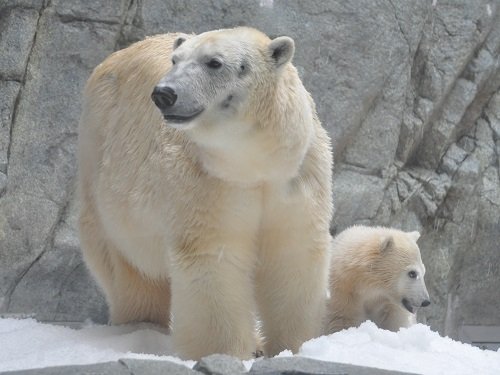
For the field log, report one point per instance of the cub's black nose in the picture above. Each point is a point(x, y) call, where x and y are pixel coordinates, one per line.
point(426, 303)
point(164, 96)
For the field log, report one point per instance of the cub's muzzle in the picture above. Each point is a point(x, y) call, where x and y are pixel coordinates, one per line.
point(411, 306)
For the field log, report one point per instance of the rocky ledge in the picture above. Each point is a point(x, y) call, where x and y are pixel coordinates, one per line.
point(217, 364)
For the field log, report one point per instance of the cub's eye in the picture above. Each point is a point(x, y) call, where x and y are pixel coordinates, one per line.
point(412, 275)
point(173, 62)
point(214, 64)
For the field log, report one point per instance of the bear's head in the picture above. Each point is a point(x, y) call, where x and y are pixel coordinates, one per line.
point(216, 77)
point(236, 96)
point(401, 263)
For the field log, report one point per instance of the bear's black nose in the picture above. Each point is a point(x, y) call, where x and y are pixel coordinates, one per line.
point(425, 303)
point(164, 97)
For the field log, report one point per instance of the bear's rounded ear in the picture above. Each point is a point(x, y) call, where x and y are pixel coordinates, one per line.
point(414, 235)
point(180, 39)
point(386, 243)
point(281, 50)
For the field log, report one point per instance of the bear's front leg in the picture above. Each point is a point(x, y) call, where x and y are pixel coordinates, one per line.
point(397, 318)
point(291, 287)
point(213, 302)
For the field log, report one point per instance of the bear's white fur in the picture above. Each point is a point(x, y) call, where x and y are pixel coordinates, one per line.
point(376, 274)
point(215, 219)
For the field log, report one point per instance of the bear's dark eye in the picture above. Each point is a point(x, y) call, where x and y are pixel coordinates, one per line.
point(242, 67)
point(412, 275)
point(173, 62)
point(214, 64)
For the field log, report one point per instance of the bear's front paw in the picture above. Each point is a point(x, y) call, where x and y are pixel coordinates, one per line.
point(258, 353)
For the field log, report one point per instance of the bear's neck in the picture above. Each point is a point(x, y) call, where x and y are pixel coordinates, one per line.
point(249, 160)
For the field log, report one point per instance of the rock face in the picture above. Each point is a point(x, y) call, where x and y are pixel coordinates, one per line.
point(409, 92)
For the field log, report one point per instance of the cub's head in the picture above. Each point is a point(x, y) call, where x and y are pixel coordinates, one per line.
point(216, 76)
point(401, 262)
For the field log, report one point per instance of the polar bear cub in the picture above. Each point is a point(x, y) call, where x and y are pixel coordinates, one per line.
point(205, 188)
point(377, 274)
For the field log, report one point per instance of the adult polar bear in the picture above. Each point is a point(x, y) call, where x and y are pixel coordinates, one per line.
point(224, 207)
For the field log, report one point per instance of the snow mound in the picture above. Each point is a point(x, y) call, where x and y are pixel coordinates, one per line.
point(416, 349)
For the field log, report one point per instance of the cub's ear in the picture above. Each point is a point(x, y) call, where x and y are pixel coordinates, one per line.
point(386, 243)
point(181, 39)
point(414, 235)
point(281, 50)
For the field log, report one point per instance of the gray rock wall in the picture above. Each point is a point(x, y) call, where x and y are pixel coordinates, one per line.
point(409, 91)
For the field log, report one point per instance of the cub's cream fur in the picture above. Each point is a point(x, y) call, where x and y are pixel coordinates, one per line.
point(215, 220)
point(376, 274)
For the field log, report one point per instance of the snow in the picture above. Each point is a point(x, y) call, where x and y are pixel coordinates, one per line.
point(26, 343)
point(416, 349)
